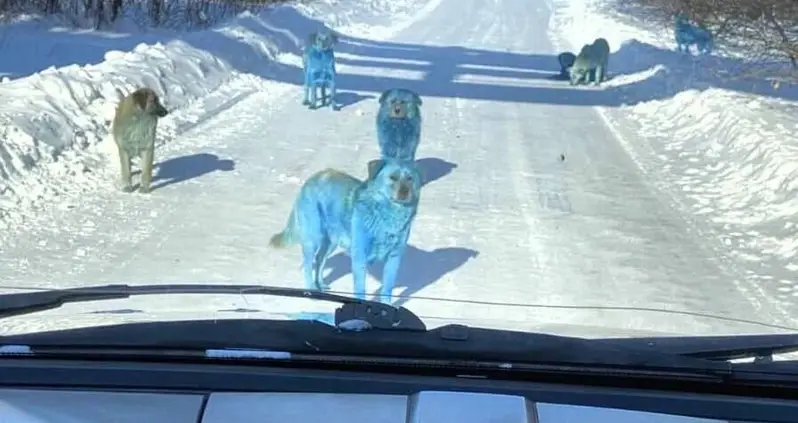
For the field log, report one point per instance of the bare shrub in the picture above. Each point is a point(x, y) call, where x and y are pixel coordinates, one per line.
point(161, 13)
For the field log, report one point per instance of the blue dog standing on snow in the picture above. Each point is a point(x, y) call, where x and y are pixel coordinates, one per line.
point(318, 62)
point(370, 220)
point(687, 34)
point(399, 124)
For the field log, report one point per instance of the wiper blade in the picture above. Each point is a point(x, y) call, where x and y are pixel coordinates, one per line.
point(760, 347)
point(452, 344)
point(376, 314)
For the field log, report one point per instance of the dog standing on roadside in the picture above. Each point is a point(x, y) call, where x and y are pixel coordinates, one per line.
point(399, 124)
point(592, 60)
point(133, 128)
point(686, 34)
point(370, 220)
point(318, 62)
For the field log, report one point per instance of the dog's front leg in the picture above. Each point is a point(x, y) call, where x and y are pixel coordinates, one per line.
point(359, 252)
point(309, 251)
point(306, 100)
point(313, 94)
point(333, 90)
point(359, 269)
point(389, 273)
point(598, 75)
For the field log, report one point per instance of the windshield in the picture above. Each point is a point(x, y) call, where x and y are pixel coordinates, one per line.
point(567, 167)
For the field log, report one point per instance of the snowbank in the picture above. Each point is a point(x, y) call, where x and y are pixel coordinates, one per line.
point(726, 150)
point(54, 123)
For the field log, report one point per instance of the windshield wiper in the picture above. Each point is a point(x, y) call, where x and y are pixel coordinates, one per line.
point(315, 340)
point(760, 347)
point(403, 334)
point(376, 314)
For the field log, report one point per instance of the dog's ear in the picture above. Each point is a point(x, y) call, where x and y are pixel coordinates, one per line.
point(311, 38)
point(374, 168)
point(334, 37)
point(384, 96)
point(417, 99)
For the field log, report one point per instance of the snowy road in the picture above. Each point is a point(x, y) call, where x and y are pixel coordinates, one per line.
point(504, 220)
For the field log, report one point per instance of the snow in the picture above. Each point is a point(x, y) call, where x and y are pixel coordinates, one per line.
point(725, 150)
point(541, 213)
point(54, 121)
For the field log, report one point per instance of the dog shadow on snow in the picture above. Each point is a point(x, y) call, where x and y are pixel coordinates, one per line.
point(183, 168)
point(418, 270)
point(347, 98)
point(639, 72)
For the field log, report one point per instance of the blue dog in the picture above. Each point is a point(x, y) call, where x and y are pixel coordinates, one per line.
point(369, 219)
point(399, 124)
point(318, 62)
point(687, 34)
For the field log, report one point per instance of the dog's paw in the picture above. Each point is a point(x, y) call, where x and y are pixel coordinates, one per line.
point(306, 102)
point(127, 188)
point(336, 107)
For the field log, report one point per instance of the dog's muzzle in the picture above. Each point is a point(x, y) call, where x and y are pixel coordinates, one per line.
point(404, 193)
point(397, 112)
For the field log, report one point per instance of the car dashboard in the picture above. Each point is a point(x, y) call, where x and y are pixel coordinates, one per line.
point(48, 391)
point(42, 406)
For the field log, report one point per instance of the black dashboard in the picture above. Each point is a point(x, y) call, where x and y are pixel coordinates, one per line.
point(74, 391)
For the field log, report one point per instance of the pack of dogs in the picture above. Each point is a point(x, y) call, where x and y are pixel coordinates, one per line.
point(369, 219)
point(590, 65)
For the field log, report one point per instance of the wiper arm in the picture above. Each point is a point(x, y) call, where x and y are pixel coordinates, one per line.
point(760, 347)
point(311, 340)
point(376, 314)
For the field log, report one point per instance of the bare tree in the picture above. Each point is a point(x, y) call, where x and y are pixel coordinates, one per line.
point(101, 13)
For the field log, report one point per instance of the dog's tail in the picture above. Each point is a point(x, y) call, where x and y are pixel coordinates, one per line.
point(288, 235)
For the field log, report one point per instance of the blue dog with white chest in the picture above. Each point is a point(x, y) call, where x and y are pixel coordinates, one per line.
point(318, 62)
point(399, 124)
point(370, 220)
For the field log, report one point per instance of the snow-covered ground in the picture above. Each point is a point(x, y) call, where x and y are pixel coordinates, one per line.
point(726, 151)
point(54, 121)
point(534, 199)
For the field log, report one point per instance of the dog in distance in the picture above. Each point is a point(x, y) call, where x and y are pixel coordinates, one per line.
point(370, 220)
point(133, 128)
point(591, 63)
point(686, 34)
point(399, 124)
point(318, 62)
